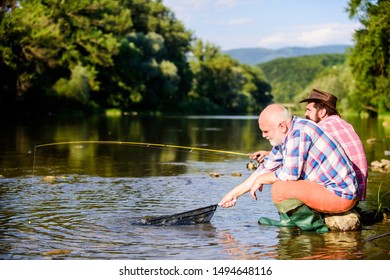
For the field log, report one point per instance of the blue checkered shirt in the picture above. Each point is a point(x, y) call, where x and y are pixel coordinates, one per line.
point(309, 153)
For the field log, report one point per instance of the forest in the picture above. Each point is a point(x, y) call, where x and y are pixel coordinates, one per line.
point(60, 56)
point(291, 76)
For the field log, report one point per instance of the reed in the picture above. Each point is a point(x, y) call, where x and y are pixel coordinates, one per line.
point(380, 199)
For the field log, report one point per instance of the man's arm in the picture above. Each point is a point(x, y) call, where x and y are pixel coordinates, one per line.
point(264, 179)
point(230, 199)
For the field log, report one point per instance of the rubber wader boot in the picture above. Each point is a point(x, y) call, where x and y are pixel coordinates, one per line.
point(307, 219)
point(283, 207)
point(284, 221)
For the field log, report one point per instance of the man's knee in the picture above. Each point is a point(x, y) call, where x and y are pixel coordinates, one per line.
point(279, 192)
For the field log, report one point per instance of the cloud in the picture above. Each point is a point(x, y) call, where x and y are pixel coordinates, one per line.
point(236, 22)
point(203, 4)
point(262, 23)
point(313, 35)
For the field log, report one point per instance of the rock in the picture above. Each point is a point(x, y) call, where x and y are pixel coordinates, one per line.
point(381, 166)
point(372, 140)
point(370, 217)
point(49, 179)
point(347, 221)
point(215, 174)
point(52, 179)
point(57, 252)
point(386, 213)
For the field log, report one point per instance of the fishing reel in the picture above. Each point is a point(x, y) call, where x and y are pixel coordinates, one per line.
point(252, 165)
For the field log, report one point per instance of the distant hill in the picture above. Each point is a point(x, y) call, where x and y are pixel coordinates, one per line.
point(290, 76)
point(254, 56)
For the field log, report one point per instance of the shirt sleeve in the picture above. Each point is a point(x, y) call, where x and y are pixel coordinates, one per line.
point(296, 150)
point(271, 162)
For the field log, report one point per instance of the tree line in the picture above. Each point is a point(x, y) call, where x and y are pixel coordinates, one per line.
point(135, 55)
point(128, 54)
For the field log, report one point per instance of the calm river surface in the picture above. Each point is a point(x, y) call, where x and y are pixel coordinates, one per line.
point(78, 201)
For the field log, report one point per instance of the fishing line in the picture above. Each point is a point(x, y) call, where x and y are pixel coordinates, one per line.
point(139, 144)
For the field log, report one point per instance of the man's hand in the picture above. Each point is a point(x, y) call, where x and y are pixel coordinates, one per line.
point(259, 155)
point(256, 186)
point(229, 200)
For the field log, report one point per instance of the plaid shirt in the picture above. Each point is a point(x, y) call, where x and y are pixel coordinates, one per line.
point(344, 133)
point(309, 153)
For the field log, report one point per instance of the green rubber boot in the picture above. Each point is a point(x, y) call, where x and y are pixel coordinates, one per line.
point(283, 207)
point(285, 221)
point(308, 219)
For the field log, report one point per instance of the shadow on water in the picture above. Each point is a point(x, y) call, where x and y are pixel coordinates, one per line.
point(81, 200)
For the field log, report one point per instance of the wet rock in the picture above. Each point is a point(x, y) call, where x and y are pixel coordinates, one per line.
point(381, 166)
point(52, 179)
point(386, 213)
point(372, 140)
point(348, 221)
point(370, 217)
point(49, 179)
point(57, 252)
point(215, 174)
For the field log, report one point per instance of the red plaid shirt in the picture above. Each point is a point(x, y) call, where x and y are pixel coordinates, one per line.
point(344, 133)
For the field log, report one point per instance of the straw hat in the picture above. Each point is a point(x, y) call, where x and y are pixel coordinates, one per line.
point(323, 97)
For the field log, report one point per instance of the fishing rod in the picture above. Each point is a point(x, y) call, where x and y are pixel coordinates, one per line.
point(138, 144)
point(143, 144)
point(252, 165)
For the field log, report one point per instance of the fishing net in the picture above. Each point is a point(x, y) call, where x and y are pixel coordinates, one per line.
point(192, 217)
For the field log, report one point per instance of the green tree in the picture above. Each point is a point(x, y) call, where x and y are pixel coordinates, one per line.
point(338, 80)
point(223, 85)
point(151, 70)
point(369, 59)
point(258, 88)
point(129, 54)
point(43, 42)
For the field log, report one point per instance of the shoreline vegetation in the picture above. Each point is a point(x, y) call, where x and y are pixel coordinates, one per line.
point(136, 56)
point(296, 109)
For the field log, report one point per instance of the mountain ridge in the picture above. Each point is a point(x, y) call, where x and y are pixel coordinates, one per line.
point(253, 56)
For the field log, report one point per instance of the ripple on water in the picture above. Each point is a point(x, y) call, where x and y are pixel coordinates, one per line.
point(87, 217)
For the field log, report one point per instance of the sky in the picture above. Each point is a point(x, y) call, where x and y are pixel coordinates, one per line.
point(271, 24)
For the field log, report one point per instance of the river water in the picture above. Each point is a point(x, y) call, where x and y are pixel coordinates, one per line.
point(80, 200)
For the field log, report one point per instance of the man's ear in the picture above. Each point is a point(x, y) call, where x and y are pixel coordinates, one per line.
point(284, 127)
point(322, 113)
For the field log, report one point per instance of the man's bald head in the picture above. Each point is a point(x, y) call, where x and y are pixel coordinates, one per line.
point(275, 113)
point(274, 122)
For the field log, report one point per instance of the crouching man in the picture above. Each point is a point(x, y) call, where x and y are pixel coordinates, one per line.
point(308, 169)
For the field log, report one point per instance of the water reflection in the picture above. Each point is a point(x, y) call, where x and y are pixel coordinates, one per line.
point(239, 134)
point(293, 244)
point(329, 246)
